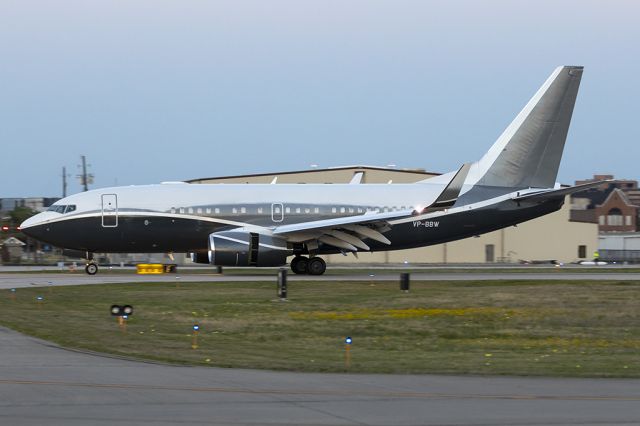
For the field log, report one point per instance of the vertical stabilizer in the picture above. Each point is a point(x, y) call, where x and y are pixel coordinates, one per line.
point(528, 152)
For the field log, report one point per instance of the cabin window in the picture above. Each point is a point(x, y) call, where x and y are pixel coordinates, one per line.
point(208, 210)
point(298, 210)
point(287, 209)
point(334, 210)
point(173, 210)
point(359, 210)
point(199, 210)
point(217, 210)
point(243, 210)
point(181, 209)
point(307, 210)
point(316, 210)
point(234, 210)
point(259, 210)
point(190, 210)
point(342, 210)
point(351, 210)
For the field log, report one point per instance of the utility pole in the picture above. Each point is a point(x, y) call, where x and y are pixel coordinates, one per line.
point(85, 178)
point(84, 173)
point(64, 182)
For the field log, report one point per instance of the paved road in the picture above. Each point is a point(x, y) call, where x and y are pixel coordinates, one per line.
point(43, 384)
point(14, 280)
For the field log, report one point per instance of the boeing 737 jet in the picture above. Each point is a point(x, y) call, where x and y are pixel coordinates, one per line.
point(264, 225)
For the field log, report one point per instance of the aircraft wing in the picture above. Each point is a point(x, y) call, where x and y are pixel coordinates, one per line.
point(347, 233)
point(557, 193)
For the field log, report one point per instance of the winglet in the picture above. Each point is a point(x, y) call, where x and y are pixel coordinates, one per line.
point(449, 195)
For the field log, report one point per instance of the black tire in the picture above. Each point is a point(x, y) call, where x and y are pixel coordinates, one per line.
point(91, 268)
point(317, 266)
point(300, 265)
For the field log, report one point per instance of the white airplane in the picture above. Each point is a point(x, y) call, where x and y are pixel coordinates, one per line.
point(263, 225)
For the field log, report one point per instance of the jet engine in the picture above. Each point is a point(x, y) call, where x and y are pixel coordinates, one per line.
point(199, 257)
point(243, 248)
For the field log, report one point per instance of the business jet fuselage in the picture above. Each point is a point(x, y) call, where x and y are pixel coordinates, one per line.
point(264, 224)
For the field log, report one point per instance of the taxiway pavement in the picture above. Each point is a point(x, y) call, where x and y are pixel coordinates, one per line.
point(43, 279)
point(41, 383)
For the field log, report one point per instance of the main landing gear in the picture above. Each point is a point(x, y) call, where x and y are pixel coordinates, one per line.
point(303, 265)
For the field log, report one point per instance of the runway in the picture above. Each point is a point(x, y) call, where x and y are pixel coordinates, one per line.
point(41, 383)
point(43, 279)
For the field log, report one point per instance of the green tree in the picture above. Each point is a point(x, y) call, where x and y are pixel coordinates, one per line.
point(20, 214)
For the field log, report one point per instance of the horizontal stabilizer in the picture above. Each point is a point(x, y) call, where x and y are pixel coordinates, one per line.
point(558, 193)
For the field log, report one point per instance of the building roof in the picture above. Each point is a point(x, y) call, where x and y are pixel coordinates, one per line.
point(13, 242)
point(623, 196)
point(355, 168)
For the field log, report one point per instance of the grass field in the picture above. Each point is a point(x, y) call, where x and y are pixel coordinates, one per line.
point(503, 327)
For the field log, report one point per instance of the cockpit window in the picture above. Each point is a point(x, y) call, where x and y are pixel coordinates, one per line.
point(62, 209)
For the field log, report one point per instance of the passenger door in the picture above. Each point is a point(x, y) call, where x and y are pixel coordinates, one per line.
point(277, 212)
point(109, 210)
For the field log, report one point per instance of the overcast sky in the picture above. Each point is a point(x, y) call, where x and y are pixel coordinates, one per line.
point(162, 90)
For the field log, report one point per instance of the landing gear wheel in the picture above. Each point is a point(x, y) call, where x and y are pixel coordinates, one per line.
point(299, 265)
point(91, 268)
point(317, 266)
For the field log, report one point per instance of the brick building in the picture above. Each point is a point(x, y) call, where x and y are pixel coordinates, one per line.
point(615, 206)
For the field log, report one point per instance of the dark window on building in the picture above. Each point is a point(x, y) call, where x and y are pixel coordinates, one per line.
point(582, 252)
point(614, 217)
point(489, 255)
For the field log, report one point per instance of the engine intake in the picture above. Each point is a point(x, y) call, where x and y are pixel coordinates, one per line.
point(242, 248)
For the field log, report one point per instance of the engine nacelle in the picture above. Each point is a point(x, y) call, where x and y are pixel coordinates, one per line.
point(243, 248)
point(200, 258)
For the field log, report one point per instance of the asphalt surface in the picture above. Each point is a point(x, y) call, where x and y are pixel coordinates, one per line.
point(43, 279)
point(41, 383)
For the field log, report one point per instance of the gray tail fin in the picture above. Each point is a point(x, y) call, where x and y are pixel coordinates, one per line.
point(528, 152)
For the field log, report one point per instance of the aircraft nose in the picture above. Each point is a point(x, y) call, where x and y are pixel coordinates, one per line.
point(32, 226)
point(29, 222)
point(38, 219)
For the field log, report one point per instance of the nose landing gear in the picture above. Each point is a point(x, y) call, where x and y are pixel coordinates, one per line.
point(92, 266)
